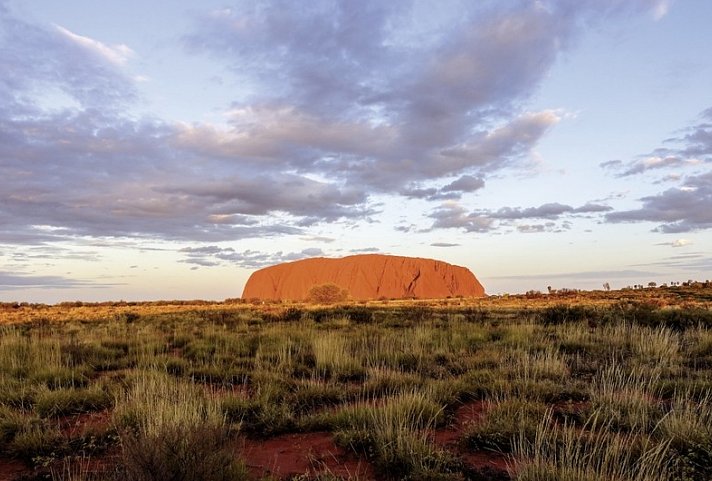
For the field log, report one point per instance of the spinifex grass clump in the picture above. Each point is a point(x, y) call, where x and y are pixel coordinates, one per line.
point(170, 429)
point(394, 433)
point(505, 421)
point(65, 402)
point(688, 429)
point(590, 454)
point(627, 399)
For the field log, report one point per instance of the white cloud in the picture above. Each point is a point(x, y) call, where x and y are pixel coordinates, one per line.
point(660, 9)
point(116, 54)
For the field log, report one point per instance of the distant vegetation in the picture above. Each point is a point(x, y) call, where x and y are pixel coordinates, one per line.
point(600, 386)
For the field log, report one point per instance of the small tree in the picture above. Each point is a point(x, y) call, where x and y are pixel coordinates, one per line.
point(327, 294)
point(606, 286)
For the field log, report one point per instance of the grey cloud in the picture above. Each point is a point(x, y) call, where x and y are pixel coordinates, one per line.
point(358, 99)
point(450, 216)
point(318, 238)
point(200, 262)
point(406, 228)
point(444, 244)
point(366, 250)
point(96, 172)
point(532, 228)
point(654, 162)
point(15, 281)
point(611, 164)
point(592, 208)
point(684, 208)
point(209, 256)
point(290, 193)
point(697, 263)
point(35, 58)
point(453, 215)
point(97, 175)
point(678, 209)
point(547, 211)
point(466, 183)
point(692, 148)
point(419, 193)
point(342, 93)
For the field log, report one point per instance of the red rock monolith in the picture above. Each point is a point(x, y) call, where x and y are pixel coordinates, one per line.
point(367, 276)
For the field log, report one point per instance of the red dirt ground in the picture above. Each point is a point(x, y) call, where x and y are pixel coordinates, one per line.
point(79, 424)
point(310, 453)
point(293, 454)
point(449, 438)
point(11, 469)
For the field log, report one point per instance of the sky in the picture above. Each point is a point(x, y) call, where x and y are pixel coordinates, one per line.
point(167, 149)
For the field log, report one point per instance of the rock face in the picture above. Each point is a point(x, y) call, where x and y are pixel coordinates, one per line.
point(369, 276)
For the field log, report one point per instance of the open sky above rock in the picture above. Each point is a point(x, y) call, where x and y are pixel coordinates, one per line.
point(167, 149)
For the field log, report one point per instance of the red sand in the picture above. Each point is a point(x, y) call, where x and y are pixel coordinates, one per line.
point(482, 462)
point(289, 455)
point(294, 454)
point(11, 469)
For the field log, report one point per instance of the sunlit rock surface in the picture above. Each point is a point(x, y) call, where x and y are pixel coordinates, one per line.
point(368, 276)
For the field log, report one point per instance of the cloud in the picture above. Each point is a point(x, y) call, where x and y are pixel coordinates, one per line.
point(387, 96)
point(210, 256)
point(453, 215)
point(444, 244)
point(117, 54)
point(657, 162)
point(684, 208)
point(37, 60)
point(676, 243)
point(466, 183)
point(661, 9)
point(346, 101)
point(678, 209)
point(365, 250)
point(690, 149)
point(17, 281)
point(694, 262)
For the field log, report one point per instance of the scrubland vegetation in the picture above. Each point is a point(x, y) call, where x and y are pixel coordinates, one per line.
point(565, 389)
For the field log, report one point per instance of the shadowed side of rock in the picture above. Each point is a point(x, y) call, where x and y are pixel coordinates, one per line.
point(368, 276)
